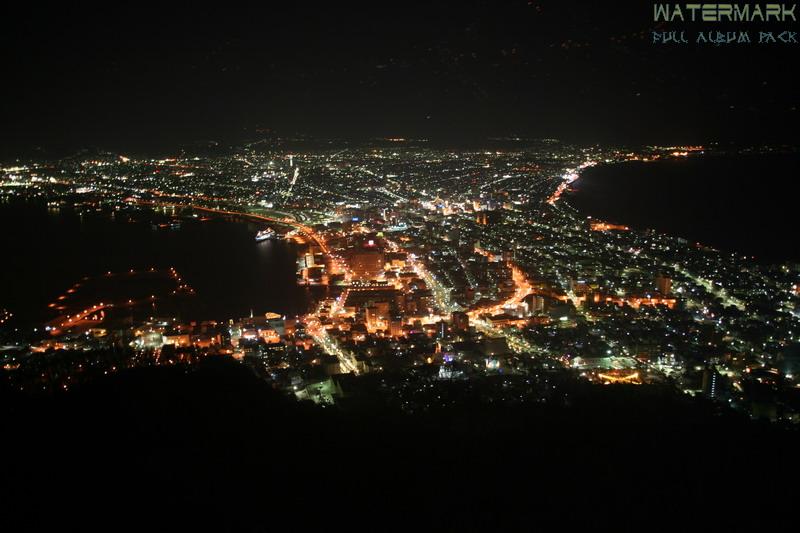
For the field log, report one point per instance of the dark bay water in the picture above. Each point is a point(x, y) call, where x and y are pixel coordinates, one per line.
point(744, 203)
point(44, 252)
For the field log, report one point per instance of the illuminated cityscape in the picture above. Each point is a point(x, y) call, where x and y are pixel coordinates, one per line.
point(460, 284)
point(428, 265)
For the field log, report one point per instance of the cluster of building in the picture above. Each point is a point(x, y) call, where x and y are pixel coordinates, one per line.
point(446, 267)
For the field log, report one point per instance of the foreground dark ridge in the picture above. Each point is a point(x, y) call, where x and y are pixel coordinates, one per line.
point(215, 446)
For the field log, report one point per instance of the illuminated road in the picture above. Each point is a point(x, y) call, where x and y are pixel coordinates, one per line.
point(347, 361)
point(566, 179)
point(521, 291)
point(720, 293)
point(79, 318)
point(441, 294)
point(515, 340)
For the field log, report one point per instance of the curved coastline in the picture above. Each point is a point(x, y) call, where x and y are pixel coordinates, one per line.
point(717, 200)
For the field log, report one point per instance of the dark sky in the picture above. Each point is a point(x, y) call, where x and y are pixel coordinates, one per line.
point(144, 75)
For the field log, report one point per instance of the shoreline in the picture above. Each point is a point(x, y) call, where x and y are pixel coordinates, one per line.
point(694, 199)
point(151, 248)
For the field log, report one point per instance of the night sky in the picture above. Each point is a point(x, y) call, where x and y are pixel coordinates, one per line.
point(144, 76)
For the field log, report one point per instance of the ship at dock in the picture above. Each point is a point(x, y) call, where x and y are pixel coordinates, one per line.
point(265, 235)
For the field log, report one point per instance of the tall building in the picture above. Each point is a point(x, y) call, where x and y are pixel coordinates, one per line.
point(396, 326)
point(536, 304)
point(367, 261)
